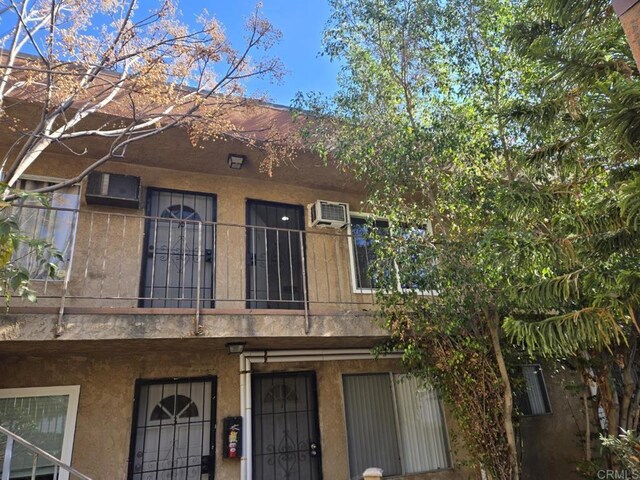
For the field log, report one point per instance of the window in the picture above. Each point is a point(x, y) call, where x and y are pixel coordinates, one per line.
point(393, 424)
point(412, 252)
point(531, 392)
point(54, 224)
point(363, 249)
point(46, 417)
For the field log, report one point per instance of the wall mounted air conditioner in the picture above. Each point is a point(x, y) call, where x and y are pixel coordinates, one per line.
point(328, 214)
point(113, 189)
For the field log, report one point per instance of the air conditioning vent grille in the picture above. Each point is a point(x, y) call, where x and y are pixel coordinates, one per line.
point(334, 212)
point(113, 189)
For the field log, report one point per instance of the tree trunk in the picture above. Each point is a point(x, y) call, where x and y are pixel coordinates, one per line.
point(587, 426)
point(625, 405)
point(494, 323)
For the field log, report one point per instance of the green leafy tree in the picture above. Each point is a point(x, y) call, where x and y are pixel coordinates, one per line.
point(419, 115)
point(578, 289)
point(507, 132)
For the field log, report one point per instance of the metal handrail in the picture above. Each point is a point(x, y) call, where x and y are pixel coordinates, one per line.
point(211, 263)
point(37, 452)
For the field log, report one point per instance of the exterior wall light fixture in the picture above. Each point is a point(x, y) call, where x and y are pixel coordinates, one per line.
point(236, 161)
point(235, 347)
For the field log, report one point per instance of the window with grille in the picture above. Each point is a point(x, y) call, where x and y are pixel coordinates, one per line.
point(394, 424)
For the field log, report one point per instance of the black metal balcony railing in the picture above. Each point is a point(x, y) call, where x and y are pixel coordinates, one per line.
point(133, 261)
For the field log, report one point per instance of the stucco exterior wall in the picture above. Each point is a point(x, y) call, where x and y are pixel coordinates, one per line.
point(629, 13)
point(552, 445)
point(108, 252)
point(103, 427)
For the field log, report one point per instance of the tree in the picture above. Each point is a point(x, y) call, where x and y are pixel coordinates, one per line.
point(77, 72)
point(578, 288)
point(419, 117)
point(512, 129)
point(110, 70)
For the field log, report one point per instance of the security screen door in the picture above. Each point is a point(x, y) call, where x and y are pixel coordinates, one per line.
point(173, 431)
point(275, 240)
point(286, 436)
point(179, 230)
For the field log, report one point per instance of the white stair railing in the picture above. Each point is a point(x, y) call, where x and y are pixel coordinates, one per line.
point(36, 454)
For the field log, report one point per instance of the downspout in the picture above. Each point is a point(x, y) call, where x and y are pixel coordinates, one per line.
point(245, 411)
point(243, 458)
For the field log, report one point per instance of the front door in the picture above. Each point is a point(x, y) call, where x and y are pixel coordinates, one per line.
point(275, 242)
point(286, 436)
point(174, 430)
point(179, 261)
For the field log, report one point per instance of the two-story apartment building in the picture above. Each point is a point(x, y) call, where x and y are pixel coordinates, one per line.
point(206, 326)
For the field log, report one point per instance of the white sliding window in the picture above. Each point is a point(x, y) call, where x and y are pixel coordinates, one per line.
point(45, 417)
point(54, 224)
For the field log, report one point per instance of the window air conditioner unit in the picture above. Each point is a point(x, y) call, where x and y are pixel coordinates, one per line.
point(113, 189)
point(329, 214)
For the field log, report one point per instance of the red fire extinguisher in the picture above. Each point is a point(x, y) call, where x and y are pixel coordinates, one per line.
point(234, 432)
point(233, 437)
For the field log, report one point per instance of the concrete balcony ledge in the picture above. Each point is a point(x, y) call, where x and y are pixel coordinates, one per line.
point(341, 328)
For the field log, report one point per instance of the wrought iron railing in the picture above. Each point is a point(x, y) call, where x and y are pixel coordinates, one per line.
point(122, 260)
point(39, 461)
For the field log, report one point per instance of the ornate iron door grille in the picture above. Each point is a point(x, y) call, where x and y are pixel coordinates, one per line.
point(179, 243)
point(286, 439)
point(173, 430)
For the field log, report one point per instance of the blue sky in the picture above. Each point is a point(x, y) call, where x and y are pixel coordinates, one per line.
point(301, 23)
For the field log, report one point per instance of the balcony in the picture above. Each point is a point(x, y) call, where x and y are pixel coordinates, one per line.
point(181, 265)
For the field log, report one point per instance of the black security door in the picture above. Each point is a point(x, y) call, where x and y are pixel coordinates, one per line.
point(173, 430)
point(286, 439)
point(179, 257)
point(275, 242)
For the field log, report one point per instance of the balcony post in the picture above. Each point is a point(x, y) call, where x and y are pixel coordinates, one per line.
point(307, 326)
point(59, 327)
point(198, 322)
point(372, 474)
point(6, 464)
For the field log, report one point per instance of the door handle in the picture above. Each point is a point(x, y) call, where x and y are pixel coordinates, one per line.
point(314, 449)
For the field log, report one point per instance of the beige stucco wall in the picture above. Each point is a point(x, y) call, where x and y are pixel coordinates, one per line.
point(109, 241)
point(103, 427)
point(552, 445)
point(631, 24)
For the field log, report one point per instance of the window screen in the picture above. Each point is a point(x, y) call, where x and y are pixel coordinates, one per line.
point(54, 224)
point(531, 394)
